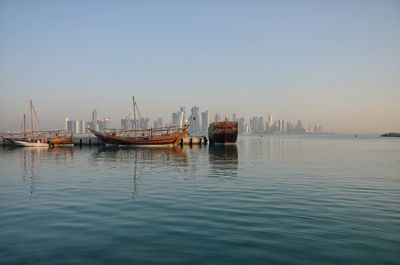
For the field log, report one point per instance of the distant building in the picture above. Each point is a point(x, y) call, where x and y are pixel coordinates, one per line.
point(83, 126)
point(70, 125)
point(66, 124)
point(175, 119)
point(205, 121)
point(104, 124)
point(218, 117)
point(178, 118)
point(125, 123)
point(270, 121)
point(299, 128)
point(257, 125)
point(194, 120)
point(94, 124)
point(234, 118)
point(242, 125)
point(260, 125)
point(75, 126)
point(144, 123)
point(158, 123)
point(281, 126)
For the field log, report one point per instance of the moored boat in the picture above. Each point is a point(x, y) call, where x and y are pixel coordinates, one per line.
point(34, 138)
point(171, 135)
point(223, 132)
point(59, 138)
point(163, 136)
point(37, 143)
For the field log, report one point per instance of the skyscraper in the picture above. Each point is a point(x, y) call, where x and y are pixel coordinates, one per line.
point(158, 123)
point(125, 123)
point(82, 126)
point(242, 125)
point(70, 126)
point(144, 123)
point(260, 125)
point(234, 118)
point(104, 124)
point(175, 119)
point(218, 117)
point(182, 116)
point(94, 119)
point(178, 118)
point(205, 121)
point(194, 120)
point(77, 128)
point(270, 122)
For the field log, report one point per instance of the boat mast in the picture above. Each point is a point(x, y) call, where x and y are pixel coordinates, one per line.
point(134, 114)
point(30, 105)
point(24, 126)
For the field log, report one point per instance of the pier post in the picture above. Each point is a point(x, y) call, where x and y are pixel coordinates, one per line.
point(80, 142)
point(90, 142)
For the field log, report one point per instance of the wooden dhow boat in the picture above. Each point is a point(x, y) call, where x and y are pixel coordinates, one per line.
point(163, 136)
point(171, 135)
point(34, 138)
point(49, 138)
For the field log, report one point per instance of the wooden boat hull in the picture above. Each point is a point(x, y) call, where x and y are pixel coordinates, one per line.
point(30, 144)
point(223, 132)
point(157, 140)
point(223, 138)
point(62, 140)
point(51, 138)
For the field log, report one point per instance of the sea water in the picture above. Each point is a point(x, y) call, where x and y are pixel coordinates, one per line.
point(271, 199)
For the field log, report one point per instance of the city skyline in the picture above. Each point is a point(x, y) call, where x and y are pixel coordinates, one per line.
point(335, 64)
point(197, 120)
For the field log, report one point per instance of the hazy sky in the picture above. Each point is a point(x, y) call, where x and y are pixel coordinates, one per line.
point(336, 63)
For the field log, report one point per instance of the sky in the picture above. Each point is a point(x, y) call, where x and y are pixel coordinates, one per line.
point(334, 63)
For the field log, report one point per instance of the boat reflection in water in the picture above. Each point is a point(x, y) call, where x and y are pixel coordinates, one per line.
point(174, 154)
point(141, 161)
point(223, 160)
point(34, 159)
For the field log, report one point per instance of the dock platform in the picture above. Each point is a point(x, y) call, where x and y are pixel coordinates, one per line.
point(89, 140)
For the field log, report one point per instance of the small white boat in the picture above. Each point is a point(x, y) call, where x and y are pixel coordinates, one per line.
point(38, 143)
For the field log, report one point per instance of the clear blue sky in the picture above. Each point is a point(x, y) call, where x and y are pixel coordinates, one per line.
point(336, 63)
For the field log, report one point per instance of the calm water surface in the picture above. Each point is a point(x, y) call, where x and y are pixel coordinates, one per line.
point(267, 200)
